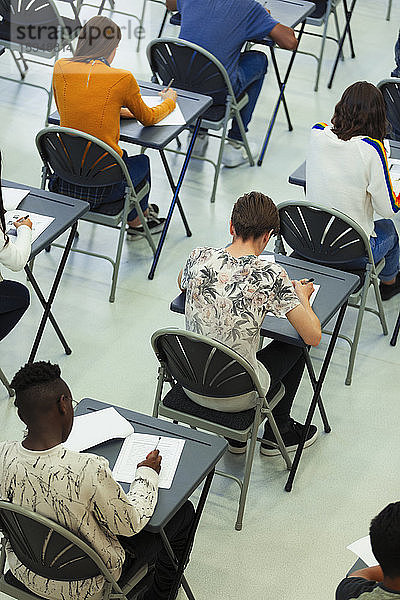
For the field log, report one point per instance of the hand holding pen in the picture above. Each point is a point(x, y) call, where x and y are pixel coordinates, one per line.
point(23, 221)
point(153, 459)
point(168, 92)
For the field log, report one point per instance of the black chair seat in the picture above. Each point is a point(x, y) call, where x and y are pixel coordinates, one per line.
point(175, 19)
point(176, 399)
point(359, 272)
point(320, 9)
point(11, 580)
point(45, 42)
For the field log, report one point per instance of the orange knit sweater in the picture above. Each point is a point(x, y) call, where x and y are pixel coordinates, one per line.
point(89, 97)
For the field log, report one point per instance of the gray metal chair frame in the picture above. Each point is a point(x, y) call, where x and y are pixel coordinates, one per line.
point(111, 590)
point(118, 221)
point(6, 384)
point(19, 51)
point(389, 10)
point(232, 108)
point(263, 410)
point(359, 299)
point(319, 22)
point(382, 84)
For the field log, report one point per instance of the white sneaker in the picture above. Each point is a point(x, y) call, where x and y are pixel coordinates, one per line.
point(235, 153)
point(200, 145)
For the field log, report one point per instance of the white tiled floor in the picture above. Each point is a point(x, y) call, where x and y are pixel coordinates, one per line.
point(291, 544)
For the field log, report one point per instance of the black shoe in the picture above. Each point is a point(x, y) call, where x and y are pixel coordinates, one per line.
point(388, 291)
point(153, 210)
point(291, 436)
point(154, 223)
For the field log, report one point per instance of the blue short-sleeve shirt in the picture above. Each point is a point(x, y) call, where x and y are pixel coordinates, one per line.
point(223, 26)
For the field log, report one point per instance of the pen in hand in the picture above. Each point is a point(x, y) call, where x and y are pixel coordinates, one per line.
point(169, 85)
point(305, 281)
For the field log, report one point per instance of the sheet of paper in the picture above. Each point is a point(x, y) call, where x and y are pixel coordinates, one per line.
point(386, 143)
point(312, 298)
point(269, 258)
point(12, 197)
point(135, 449)
point(362, 548)
point(174, 118)
point(97, 427)
point(39, 222)
point(394, 169)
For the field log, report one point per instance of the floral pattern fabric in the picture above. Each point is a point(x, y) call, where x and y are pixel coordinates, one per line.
point(227, 298)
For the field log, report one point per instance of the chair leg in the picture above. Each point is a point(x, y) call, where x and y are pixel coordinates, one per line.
point(244, 137)
point(381, 310)
point(5, 382)
point(356, 337)
point(117, 262)
point(217, 165)
point(335, 17)
point(140, 28)
point(246, 478)
point(16, 60)
point(321, 54)
point(145, 227)
point(396, 330)
point(389, 10)
point(279, 440)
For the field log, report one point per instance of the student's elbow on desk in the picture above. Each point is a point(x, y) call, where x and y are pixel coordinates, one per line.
point(284, 37)
point(312, 338)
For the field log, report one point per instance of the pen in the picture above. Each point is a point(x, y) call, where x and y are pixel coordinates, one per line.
point(159, 440)
point(169, 85)
point(308, 281)
point(22, 218)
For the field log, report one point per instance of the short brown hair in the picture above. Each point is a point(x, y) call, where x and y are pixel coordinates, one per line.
point(98, 39)
point(360, 111)
point(254, 215)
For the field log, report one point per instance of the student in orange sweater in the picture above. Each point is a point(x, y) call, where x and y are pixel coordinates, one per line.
point(92, 96)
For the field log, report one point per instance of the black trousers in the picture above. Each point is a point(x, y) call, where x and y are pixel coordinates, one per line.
point(148, 548)
point(14, 300)
point(285, 363)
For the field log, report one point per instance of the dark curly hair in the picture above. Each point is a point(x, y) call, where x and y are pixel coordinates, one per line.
point(253, 215)
point(360, 111)
point(385, 539)
point(35, 374)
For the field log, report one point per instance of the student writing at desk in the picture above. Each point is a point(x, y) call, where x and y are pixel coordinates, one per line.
point(14, 296)
point(222, 27)
point(347, 170)
point(91, 96)
point(79, 492)
point(228, 293)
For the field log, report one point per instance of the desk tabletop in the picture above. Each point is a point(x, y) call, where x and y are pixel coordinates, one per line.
point(298, 177)
point(336, 287)
point(158, 136)
point(65, 210)
point(200, 454)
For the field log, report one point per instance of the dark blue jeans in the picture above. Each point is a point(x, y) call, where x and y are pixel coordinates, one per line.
point(251, 72)
point(384, 245)
point(139, 170)
point(14, 300)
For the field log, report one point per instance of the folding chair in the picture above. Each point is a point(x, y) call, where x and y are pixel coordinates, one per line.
point(84, 163)
point(329, 237)
point(36, 27)
point(53, 552)
point(320, 18)
point(390, 89)
point(6, 384)
point(196, 70)
point(203, 366)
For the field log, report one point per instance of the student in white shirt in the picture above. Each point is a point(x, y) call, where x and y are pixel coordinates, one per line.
point(14, 297)
point(79, 492)
point(347, 170)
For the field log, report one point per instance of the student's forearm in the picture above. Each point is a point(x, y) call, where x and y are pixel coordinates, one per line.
point(171, 5)
point(370, 573)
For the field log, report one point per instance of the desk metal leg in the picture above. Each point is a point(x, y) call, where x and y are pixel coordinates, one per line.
point(396, 330)
point(175, 200)
point(317, 392)
point(163, 23)
point(47, 314)
point(278, 78)
point(181, 566)
point(313, 379)
point(173, 188)
point(346, 31)
point(281, 98)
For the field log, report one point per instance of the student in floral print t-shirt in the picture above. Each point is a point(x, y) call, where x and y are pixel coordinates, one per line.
point(228, 293)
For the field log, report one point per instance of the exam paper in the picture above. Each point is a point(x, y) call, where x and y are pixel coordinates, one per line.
point(268, 258)
point(39, 222)
point(135, 449)
point(174, 118)
point(312, 298)
point(12, 197)
point(362, 548)
point(97, 427)
point(394, 170)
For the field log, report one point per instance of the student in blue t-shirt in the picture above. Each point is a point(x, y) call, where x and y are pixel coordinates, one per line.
point(222, 27)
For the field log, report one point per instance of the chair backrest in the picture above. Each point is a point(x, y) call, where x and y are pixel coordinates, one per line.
point(204, 366)
point(47, 548)
point(80, 158)
point(322, 235)
point(29, 12)
point(193, 68)
point(390, 89)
